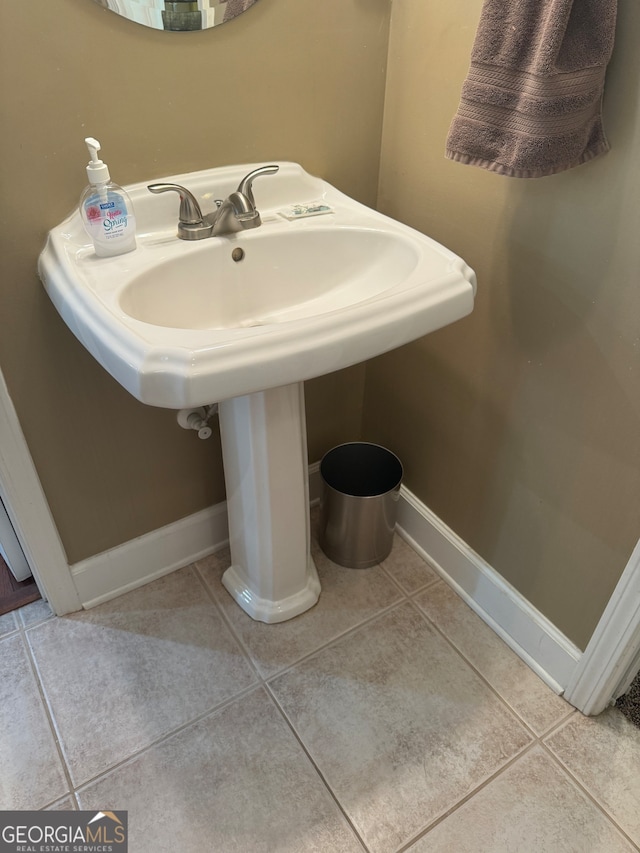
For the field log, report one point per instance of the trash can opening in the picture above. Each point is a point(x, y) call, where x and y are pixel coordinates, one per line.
point(361, 469)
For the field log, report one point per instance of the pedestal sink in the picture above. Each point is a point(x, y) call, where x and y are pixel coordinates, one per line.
point(243, 320)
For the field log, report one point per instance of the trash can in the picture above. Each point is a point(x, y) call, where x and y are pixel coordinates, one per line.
point(359, 505)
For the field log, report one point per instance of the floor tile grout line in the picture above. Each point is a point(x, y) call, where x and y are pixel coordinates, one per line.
point(10, 634)
point(325, 644)
point(467, 797)
point(227, 622)
point(405, 592)
point(80, 787)
point(537, 741)
point(334, 640)
point(70, 796)
point(16, 623)
point(388, 574)
point(33, 625)
point(405, 597)
point(556, 724)
point(475, 669)
point(320, 774)
point(435, 582)
point(585, 790)
point(559, 724)
point(48, 710)
point(20, 614)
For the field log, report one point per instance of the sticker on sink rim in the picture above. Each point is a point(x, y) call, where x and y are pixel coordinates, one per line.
point(309, 208)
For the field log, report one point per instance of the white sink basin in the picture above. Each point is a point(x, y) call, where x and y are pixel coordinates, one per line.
point(183, 324)
point(283, 276)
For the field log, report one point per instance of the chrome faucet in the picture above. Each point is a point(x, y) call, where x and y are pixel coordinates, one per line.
point(236, 213)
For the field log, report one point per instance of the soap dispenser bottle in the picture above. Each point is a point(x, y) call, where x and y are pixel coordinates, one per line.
point(106, 209)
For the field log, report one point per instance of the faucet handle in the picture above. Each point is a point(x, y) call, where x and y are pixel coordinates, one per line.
point(191, 225)
point(244, 186)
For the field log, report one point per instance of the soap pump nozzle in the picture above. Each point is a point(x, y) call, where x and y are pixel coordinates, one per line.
point(97, 170)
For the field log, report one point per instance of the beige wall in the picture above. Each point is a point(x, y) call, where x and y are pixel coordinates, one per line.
point(292, 79)
point(520, 425)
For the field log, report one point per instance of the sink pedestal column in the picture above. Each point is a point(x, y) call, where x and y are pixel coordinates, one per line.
point(264, 448)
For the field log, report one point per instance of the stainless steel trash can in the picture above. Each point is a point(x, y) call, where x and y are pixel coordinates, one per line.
point(359, 505)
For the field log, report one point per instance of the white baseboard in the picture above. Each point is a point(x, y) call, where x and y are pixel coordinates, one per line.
point(135, 563)
point(525, 630)
point(530, 634)
point(141, 560)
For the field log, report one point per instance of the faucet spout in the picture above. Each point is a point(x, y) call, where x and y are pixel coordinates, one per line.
point(243, 207)
point(235, 213)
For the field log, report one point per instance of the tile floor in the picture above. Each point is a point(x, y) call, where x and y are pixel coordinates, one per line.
point(387, 718)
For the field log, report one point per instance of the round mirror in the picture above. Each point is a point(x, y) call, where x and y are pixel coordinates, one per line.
point(178, 15)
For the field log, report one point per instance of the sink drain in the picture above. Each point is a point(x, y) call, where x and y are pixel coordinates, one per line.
point(237, 255)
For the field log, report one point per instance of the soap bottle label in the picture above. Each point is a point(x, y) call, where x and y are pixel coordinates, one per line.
point(110, 223)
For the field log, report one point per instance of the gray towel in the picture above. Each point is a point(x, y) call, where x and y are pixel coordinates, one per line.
point(236, 7)
point(532, 102)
